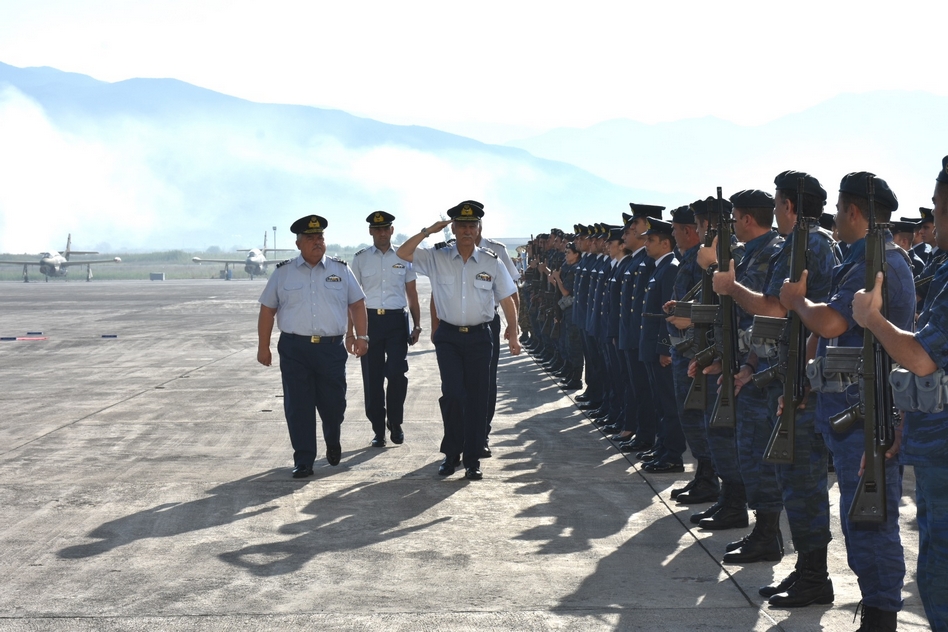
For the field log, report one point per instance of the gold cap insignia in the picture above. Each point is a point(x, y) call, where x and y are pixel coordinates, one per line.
point(378, 219)
point(467, 211)
point(314, 223)
point(648, 224)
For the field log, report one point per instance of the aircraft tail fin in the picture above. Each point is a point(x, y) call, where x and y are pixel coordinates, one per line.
point(70, 251)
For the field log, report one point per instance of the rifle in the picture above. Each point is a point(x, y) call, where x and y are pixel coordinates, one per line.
point(697, 398)
point(724, 415)
point(875, 405)
point(780, 447)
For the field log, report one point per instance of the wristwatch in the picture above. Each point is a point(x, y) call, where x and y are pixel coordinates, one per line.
point(366, 338)
point(424, 231)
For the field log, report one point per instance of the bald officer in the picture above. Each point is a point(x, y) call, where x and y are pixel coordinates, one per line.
point(389, 286)
point(467, 282)
point(312, 298)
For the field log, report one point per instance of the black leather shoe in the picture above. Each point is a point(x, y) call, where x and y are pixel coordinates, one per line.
point(646, 455)
point(398, 435)
point(620, 438)
point(378, 441)
point(588, 405)
point(448, 466)
point(302, 471)
point(638, 444)
point(663, 467)
point(486, 453)
point(776, 589)
point(611, 429)
point(727, 517)
point(473, 474)
point(571, 386)
point(582, 397)
point(333, 455)
point(703, 491)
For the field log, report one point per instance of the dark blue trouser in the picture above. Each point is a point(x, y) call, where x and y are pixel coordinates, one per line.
point(385, 359)
point(803, 483)
point(464, 363)
point(494, 361)
point(645, 420)
point(873, 550)
point(931, 502)
point(753, 433)
point(314, 379)
point(670, 435)
point(594, 377)
point(692, 421)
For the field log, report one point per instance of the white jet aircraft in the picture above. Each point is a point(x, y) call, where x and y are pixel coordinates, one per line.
point(53, 264)
point(256, 262)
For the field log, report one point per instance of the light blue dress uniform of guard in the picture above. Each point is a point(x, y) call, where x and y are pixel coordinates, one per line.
point(465, 294)
point(312, 306)
point(383, 276)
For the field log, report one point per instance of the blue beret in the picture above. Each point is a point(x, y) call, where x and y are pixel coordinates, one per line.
point(943, 174)
point(683, 215)
point(827, 221)
point(787, 181)
point(857, 184)
point(752, 198)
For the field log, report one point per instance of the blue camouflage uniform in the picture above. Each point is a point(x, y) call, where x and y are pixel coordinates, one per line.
point(803, 484)
point(383, 276)
point(874, 550)
point(312, 304)
point(754, 427)
point(924, 446)
point(465, 295)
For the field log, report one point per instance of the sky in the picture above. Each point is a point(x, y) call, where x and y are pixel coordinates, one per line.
point(493, 70)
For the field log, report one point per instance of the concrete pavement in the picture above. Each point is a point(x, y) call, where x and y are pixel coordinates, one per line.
point(145, 484)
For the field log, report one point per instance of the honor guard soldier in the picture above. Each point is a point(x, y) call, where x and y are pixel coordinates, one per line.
point(390, 296)
point(312, 298)
point(467, 282)
point(924, 240)
point(874, 550)
point(903, 234)
point(923, 358)
point(803, 484)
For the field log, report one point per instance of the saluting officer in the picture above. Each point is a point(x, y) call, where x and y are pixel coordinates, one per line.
point(466, 282)
point(389, 286)
point(312, 298)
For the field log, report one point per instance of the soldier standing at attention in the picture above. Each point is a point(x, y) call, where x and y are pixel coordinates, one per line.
point(874, 550)
point(925, 436)
point(389, 286)
point(467, 282)
point(312, 298)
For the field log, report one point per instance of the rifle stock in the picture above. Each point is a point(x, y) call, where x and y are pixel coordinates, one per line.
point(724, 414)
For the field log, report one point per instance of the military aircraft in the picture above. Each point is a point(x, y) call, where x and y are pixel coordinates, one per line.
point(53, 264)
point(256, 262)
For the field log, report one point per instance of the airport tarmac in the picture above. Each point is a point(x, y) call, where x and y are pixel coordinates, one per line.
point(145, 485)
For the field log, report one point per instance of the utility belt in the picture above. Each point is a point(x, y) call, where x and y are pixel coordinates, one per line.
point(316, 340)
point(464, 329)
point(400, 311)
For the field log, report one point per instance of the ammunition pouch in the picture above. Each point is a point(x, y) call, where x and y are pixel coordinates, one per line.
point(684, 345)
point(921, 393)
point(744, 341)
point(836, 372)
point(765, 335)
point(566, 302)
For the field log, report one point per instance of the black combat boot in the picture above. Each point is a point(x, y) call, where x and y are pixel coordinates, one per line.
point(813, 583)
point(782, 585)
point(710, 511)
point(764, 544)
point(875, 620)
point(704, 488)
point(733, 512)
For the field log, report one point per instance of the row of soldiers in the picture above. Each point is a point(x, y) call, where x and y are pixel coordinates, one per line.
point(765, 350)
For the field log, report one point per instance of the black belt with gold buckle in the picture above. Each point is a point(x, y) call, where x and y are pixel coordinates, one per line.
point(383, 312)
point(464, 329)
point(317, 340)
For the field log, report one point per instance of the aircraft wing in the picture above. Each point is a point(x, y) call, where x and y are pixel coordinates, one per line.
point(82, 263)
point(232, 261)
point(34, 262)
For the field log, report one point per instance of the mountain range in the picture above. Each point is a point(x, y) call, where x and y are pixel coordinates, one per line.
point(159, 163)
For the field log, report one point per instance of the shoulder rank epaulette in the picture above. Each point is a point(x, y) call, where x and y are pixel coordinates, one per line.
point(360, 252)
point(283, 263)
point(498, 244)
point(338, 260)
point(490, 252)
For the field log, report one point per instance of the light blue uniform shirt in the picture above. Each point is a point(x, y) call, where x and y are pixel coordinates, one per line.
point(312, 301)
point(464, 294)
point(383, 277)
point(501, 251)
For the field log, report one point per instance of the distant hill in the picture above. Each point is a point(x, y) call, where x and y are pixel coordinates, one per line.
point(158, 163)
point(899, 135)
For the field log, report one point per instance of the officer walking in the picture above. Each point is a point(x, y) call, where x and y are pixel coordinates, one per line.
point(466, 283)
point(311, 298)
point(389, 286)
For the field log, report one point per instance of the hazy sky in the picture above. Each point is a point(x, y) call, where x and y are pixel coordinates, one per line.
point(497, 70)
